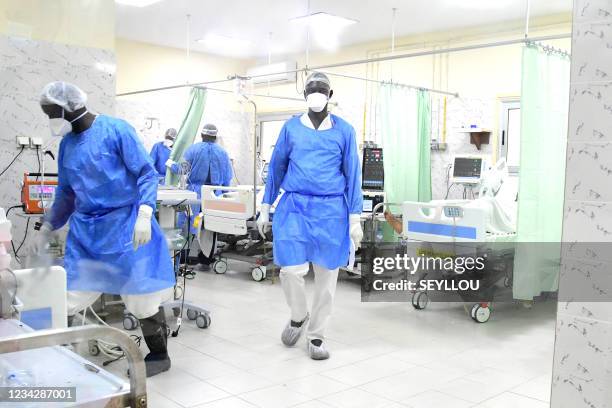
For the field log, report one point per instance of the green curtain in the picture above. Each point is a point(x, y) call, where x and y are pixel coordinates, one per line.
point(405, 118)
point(188, 130)
point(424, 145)
point(544, 118)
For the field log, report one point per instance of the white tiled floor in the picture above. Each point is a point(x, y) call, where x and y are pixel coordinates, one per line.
point(383, 355)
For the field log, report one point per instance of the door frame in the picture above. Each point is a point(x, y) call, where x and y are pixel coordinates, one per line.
point(506, 105)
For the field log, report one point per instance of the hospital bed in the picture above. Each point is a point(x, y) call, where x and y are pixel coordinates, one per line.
point(232, 215)
point(461, 228)
point(482, 227)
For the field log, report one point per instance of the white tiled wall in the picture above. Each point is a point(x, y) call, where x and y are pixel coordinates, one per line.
point(25, 67)
point(233, 120)
point(460, 112)
point(583, 351)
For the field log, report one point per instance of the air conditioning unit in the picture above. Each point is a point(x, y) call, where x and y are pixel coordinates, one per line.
point(277, 73)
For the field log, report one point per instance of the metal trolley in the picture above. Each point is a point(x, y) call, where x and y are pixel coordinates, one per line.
point(22, 347)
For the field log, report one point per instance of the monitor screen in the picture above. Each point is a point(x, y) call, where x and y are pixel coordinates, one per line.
point(467, 167)
point(373, 175)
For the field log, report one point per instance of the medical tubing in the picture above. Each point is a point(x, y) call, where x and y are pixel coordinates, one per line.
point(110, 350)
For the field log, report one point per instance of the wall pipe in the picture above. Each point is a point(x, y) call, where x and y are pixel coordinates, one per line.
point(370, 60)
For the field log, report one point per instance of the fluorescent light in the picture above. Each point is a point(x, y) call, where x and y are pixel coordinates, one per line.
point(137, 3)
point(221, 41)
point(479, 4)
point(321, 19)
point(325, 28)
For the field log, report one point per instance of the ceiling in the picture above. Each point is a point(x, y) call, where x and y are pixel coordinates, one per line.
point(165, 23)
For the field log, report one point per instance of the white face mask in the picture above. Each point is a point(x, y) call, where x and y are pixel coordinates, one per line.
point(316, 102)
point(60, 127)
point(168, 142)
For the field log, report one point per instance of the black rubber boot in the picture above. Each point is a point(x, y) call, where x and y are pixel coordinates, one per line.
point(154, 331)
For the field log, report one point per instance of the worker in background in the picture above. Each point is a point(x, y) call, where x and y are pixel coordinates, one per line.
point(160, 153)
point(107, 189)
point(208, 164)
point(315, 163)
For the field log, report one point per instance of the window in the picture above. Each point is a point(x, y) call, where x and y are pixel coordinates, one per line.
point(510, 134)
point(270, 126)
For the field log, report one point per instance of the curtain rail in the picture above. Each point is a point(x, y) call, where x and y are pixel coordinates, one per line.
point(368, 60)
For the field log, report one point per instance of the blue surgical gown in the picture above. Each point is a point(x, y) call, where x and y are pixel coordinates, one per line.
point(320, 174)
point(105, 174)
point(160, 153)
point(209, 165)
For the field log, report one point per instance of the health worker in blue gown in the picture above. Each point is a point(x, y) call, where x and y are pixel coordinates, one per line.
point(315, 163)
point(207, 164)
point(107, 192)
point(160, 153)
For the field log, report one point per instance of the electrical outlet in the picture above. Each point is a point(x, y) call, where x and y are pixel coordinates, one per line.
point(435, 145)
point(23, 141)
point(37, 141)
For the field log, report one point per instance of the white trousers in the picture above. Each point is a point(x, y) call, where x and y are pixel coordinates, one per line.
point(292, 281)
point(141, 306)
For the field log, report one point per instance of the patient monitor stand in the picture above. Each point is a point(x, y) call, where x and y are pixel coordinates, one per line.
point(168, 200)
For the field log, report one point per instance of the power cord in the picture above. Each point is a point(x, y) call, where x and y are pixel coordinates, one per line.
point(179, 319)
point(448, 168)
point(25, 236)
point(12, 161)
point(448, 186)
point(448, 190)
point(39, 165)
point(8, 210)
point(113, 351)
